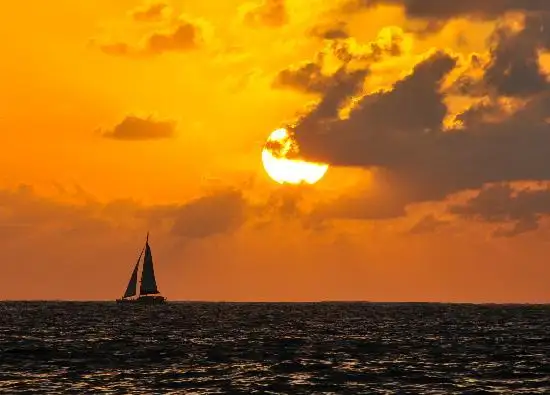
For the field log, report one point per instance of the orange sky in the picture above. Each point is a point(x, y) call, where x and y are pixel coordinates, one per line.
point(119, 117)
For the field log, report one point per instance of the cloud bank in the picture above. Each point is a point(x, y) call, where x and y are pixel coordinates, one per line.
point(403, 136)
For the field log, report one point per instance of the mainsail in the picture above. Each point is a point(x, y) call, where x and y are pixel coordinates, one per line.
point(148, 283)
point(132, 284)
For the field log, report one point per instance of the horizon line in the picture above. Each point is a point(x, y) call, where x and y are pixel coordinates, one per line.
point(280, 302)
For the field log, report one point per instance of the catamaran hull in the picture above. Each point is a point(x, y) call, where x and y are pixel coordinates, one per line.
point(144, 300)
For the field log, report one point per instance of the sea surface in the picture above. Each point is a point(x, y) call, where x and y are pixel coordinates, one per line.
point(273, 348)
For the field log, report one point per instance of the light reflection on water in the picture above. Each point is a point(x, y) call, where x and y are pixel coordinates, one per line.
point(212, 348)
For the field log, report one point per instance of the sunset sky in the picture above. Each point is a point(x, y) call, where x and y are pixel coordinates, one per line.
point(119, 117)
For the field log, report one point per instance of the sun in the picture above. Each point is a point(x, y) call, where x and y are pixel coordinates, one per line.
point(280, 144)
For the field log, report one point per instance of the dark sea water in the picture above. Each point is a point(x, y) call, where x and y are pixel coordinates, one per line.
point(232, 348)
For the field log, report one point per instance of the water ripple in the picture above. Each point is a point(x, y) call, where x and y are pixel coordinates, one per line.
point(217, 348)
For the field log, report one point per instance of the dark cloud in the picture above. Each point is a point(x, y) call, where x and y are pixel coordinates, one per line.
point(309, 77)
point(486, 111)
point(398, 134)
point(504, 204)
point(183, 37)
point(24, 211)
point(283, 203)
point(427, 224)
point(438, 9)
point(522, 226)
point(135, 128)
point(149, 13)
point(514, 68)
point(270, 13)
point(428, 27)
point(384, 120)
point(401, 132)
point(374, 204)
point(433, 15)
point(342, 86)
point(331, 32)
point(206, 216)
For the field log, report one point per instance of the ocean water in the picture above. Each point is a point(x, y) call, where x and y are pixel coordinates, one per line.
point(308, 348)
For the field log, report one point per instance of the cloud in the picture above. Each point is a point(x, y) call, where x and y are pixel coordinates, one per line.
point(513, 68)
point(312, 77)
point(307, 77)
point(502, 203)
point(424, 161)
point(184, 37)
point(135, 128)
point(399, 133)
point(149, 13)
point(427, 224)
point(522, 226)
point(377, 202)
point(433, 15)
point(446, 9)
point(118, 49)
point(224, 211)
point(181, 36)
point(372, 123)
point(268, 13)
point(28, 213)
point(367, 207)
point(334, 31)
point(219, 213)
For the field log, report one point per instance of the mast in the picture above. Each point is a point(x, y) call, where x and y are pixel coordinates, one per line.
point(148, 284)
point(132, 284)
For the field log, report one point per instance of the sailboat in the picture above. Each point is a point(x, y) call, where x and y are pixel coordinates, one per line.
point(148, 291)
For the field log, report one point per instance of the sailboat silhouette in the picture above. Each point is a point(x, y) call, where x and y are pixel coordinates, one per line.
point(148, 290)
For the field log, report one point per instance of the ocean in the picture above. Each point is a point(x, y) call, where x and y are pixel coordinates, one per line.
point(273, 348)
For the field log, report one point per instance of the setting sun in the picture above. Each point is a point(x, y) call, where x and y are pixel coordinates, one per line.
point(283, 170)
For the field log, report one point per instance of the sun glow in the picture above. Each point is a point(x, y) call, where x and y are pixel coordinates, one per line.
point(279, 145)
